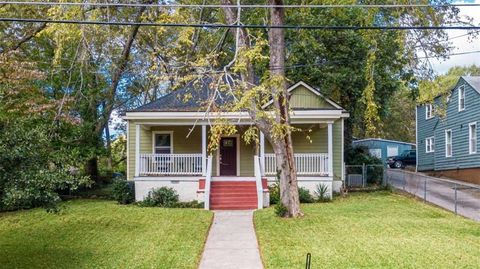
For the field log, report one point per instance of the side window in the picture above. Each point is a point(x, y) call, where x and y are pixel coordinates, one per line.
point(448, 143)
point(429, 111)
point(472, 138)
point(461, 98)
point(430, 144)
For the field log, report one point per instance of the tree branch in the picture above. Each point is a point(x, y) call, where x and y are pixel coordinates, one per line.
point(27, 37)
point(117, 75)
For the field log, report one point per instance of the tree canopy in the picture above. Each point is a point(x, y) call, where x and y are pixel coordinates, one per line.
point(72, 77)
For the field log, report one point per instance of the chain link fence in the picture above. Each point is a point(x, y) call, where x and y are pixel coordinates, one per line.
point(461, 198)
point(364, 176)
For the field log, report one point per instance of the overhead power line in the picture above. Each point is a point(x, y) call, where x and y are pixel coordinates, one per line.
point(233, 6)
point(257, 26)
point(451, 54)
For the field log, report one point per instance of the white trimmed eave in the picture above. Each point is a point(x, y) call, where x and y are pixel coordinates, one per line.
point(310, 88)
point(201, 116)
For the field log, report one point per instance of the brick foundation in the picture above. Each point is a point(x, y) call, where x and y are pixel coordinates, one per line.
point(471, 175)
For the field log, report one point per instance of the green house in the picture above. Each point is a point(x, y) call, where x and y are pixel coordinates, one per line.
point(167, 146)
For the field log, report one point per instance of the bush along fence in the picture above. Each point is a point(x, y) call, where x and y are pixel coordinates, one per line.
point(458, 197)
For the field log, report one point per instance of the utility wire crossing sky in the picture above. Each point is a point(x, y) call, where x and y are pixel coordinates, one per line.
point(236, 6)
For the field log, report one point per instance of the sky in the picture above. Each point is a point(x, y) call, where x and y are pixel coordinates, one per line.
point(462, 44)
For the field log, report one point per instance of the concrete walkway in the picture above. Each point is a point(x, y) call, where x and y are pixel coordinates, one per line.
point(231, 242)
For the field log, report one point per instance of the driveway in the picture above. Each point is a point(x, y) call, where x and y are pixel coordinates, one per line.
point(465, 202)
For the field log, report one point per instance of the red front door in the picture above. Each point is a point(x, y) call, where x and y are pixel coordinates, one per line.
point(228, 156)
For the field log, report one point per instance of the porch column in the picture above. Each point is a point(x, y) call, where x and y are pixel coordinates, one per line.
point(204, 150)
point(262, 153)
point(330, 149)
point(137, 150)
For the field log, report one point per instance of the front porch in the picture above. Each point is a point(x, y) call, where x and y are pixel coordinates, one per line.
point(165, 165)
point(176, 156)
point(181, 150)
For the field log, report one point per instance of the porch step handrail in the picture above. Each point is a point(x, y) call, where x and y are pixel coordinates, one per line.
point(208, 181)
point(307, 164)
point(170, 164)
point(258, 179)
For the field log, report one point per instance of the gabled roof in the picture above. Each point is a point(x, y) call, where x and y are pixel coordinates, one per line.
point(196, 95)
point(310, 88)
point(474, 81)
point(191, 98)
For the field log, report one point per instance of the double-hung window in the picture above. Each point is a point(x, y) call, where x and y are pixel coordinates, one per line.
point(429, 110)
point(448, 143)
point(429, 144)
point(162, 142)
point(472, 137)
point(461, 98)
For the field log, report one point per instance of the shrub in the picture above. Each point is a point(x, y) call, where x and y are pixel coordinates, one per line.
point(321, 193)
point(304, 195)
point(360, 155)
point(122, 192)
point(280, 210)
point(161, 197)
point(274, 193)
point(191, 204)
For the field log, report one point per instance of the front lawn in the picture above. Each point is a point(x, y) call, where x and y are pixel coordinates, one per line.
point(102, 234)
point(369, 230)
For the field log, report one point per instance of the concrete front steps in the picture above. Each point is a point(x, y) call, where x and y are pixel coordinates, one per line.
point(233, 195)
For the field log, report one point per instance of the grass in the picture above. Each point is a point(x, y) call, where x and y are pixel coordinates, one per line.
point(102, 234)
point(369, 230)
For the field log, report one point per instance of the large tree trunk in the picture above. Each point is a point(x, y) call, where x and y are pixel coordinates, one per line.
point(111, 93)
point(283, 147)
point(109, 153)
point(92, 169)
point(121, 65)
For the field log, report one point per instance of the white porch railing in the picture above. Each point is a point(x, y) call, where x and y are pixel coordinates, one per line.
point(308, 164)
point(170, 164)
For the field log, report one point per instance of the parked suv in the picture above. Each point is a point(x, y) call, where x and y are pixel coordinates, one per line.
point(408, 157)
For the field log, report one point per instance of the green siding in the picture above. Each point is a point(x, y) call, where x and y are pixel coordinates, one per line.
point(338, 150)
point(145, 146)
point(181, 143)
point(192, 144)
point(302, 97)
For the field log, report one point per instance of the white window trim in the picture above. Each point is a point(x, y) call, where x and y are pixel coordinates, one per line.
point(461, 89)
point(446, 143)
point(427, 108)
point(432, 144)
point(474, 151)
point(162, 132)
